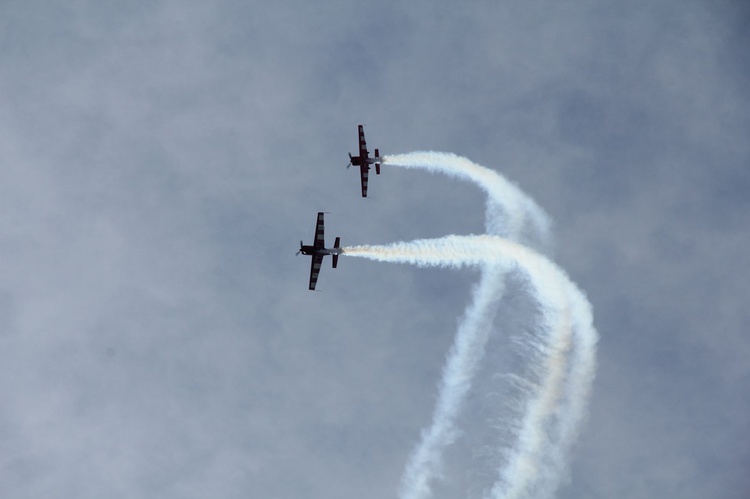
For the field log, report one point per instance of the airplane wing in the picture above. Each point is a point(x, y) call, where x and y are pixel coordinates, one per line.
point(362, 144)
point(319, 239)
point(363, 173)
point(317, 261)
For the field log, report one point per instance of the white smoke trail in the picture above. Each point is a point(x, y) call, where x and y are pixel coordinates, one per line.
point(510, 212)
point(463, 360)
point(566, 342)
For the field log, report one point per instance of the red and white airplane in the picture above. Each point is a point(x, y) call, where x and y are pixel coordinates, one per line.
point(318, 250)
point(364, 161)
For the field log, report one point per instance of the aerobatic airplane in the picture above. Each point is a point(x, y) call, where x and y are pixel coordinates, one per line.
point(318, 250)
point(364, 161)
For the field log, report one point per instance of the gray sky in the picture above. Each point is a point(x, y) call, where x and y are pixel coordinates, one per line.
point(160, 161)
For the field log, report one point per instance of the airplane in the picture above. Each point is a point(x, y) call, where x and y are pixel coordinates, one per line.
point(364, 161)
point(318, 250)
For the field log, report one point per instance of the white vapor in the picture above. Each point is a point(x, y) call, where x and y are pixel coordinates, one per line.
point(510, 212)
point(562, 349)
point(565, 339)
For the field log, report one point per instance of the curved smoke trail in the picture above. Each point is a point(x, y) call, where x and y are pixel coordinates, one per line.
point(556, 404)
point(510, 212)
point(566, 340)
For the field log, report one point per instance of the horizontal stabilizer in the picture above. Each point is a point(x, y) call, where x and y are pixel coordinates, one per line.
point(377, 165)
point(336, 245)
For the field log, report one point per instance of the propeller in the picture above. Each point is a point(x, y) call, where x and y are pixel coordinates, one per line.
point(300, 249)
point(350, 161)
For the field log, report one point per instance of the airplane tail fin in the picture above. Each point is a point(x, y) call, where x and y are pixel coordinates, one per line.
point(335, 258)
point(377, 165)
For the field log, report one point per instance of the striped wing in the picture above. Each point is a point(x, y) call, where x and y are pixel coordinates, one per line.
point(317, 261)
point(363, 174)
point(319, 240)
point(362, 144)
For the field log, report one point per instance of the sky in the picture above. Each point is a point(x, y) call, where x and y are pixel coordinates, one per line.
point(160, 161)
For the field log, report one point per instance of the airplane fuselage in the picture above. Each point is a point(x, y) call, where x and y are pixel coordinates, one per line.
point(359, 161)
point(312, 250)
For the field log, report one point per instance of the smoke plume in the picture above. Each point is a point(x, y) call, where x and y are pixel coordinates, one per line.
point(559, 348)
